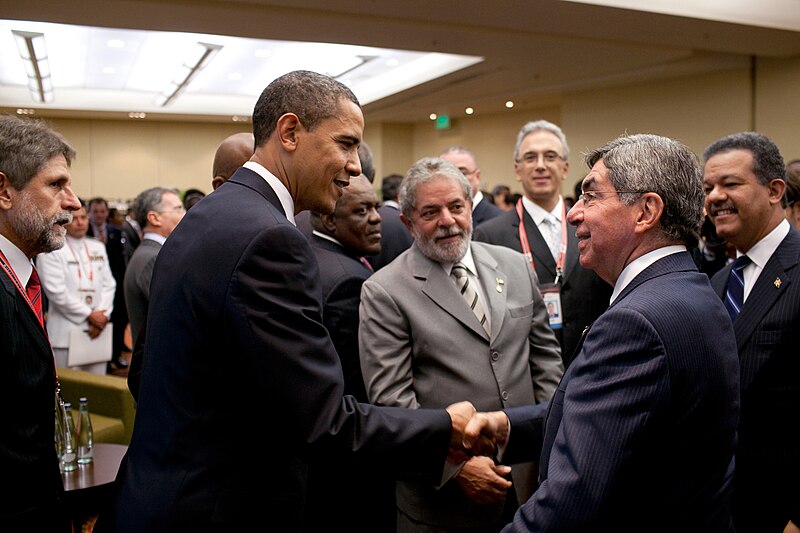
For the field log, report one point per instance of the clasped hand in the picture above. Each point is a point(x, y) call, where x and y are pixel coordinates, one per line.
point(474, 433)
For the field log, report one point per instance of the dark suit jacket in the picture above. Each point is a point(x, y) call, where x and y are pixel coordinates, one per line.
point(344, 495)
point(241, 384)
point(642, 429)
point(137, 298)
point(28, 460)
point(484, 211)
point(583, 294)
point(767, 330)
point(395, 237)
point(115, 248)
point(131, 240)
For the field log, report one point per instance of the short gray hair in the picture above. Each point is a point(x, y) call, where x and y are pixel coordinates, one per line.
point(426, 170)
point(541, 125)
point(150, 200)
point(650, 163)
point(26, 146)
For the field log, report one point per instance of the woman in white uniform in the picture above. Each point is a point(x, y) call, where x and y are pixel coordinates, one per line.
point(79, 287)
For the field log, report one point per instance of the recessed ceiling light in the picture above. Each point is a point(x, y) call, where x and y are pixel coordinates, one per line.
point(237, 118)
point(109, 70)
point(509, 104)
point(469, 111)
point(137, 114)
point(22, 111)
point(115, 43)
point(432, 116)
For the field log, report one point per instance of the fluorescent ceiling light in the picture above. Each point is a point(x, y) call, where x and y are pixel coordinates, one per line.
point(200, 56)
point(150, 63)
point(34, 53)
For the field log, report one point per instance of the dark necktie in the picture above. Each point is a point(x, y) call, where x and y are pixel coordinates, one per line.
point(459, 272)
point(734, 296)
point(34, 290)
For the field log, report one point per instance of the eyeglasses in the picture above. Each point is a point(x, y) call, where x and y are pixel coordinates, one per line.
point(531, 158)
point(177, 209)
point(587, 197)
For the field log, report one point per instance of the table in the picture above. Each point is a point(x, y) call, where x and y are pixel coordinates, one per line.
point(90, 488)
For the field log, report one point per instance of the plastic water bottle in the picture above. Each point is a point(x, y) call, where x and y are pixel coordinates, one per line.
point(69, 451)
point(85, 434)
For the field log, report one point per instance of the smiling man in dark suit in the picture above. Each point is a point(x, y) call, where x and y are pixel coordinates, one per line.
point(36, 202)
point(641, 433)
point(744, 184)
point(241, 384)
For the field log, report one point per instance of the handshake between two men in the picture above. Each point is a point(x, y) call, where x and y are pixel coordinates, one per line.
point(475, 433)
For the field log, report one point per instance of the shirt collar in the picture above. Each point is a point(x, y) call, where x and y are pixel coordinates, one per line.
point(160, 239)
point(327, 237)
point(392, 203)
point(280, 189)
point(538, 214)
point(636, 266)
point(477, 199)
point(17, 260)
point(763, 249)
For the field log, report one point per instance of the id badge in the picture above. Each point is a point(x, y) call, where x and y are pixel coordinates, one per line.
point(88, 297)
point(551, 294)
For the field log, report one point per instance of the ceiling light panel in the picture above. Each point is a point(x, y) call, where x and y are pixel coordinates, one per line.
point(138, 66)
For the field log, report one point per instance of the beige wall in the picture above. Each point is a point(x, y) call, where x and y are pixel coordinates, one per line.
point(118, 159)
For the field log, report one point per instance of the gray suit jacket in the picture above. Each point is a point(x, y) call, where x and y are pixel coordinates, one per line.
point(421, 346)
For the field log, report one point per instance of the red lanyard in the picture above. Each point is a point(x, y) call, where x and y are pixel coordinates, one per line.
point(526, 247)
point(80, 263)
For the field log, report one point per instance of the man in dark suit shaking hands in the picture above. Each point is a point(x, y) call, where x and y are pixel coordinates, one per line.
point(641, 432)
point(241, 384)
point(744, 183)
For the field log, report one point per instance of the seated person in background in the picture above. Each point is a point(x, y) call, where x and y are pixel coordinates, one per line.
point(80, 290)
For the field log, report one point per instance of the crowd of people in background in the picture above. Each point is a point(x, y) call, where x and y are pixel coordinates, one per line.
point(446, 358)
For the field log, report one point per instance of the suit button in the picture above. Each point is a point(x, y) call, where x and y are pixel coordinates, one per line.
point(505, 395)
point(495, 356)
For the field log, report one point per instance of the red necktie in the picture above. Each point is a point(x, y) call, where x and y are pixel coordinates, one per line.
point(366, 263)
point(34, 290)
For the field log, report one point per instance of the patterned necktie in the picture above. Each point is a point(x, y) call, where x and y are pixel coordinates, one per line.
point(459, 272)
point(734, 296)
point(552, 235)
point(34, 290)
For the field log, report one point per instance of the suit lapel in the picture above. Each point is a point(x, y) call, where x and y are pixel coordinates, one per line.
point(770, 285)
point(490, 278)
point(438, 286)
point(28, 318)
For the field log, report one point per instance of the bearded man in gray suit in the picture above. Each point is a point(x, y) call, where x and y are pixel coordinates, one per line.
point(423, 343)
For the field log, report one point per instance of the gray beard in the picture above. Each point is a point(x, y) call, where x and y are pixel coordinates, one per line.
point(444, 254)
point(37, 232)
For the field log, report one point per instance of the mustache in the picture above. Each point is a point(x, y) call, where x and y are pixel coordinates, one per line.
point(447, 232)
point(65, 217)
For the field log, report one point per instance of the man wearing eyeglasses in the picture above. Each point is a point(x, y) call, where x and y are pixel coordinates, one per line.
point(464, 159)
point(641, 432)
point(537, 227)
point(158, 211)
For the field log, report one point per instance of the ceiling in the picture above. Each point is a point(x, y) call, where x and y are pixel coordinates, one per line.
point(533, 52)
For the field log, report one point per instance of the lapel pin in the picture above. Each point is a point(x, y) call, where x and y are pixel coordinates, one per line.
point(500, 284)
point(777, 283)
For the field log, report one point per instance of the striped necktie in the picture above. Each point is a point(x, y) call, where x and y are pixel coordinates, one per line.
point(459, 272)
point(34, 290)
point(734, 296)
